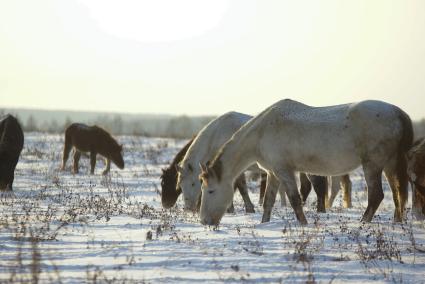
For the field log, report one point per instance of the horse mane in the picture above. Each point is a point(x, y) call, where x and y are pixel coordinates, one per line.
point(179, 156)
point(418, 146)
point(107, 136)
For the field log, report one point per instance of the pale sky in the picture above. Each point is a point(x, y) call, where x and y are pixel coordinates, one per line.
point(209, 57)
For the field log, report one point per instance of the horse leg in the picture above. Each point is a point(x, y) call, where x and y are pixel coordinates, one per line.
point(396, 174)
point(269, 197)
point(66, 149)
point(77, 155)
point(375, 194)
point(108, 166)
point(345, 184)
point(240, 184)
point(287, 181)
point(231, 208)
point(305, 187)
point(92, 161)
point(282, 193)
point(320, 186)
point(335, 187)
point(418, 204)
point(263, 183)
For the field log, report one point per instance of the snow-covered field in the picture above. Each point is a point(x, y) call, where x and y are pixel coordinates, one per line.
point(69, 228)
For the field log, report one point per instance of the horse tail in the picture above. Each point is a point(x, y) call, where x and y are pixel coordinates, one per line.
point(406, 141)
point(67, 146)
point(405, 144)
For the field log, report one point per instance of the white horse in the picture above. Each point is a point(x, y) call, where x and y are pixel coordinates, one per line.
point(290, 136)
point(202, 150)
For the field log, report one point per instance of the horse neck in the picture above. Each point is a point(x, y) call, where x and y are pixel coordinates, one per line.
point(237, 155)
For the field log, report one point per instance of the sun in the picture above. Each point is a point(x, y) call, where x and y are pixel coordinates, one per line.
point(157, 20)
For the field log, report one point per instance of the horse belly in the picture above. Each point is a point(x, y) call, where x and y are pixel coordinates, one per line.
point(81, 143)
point(322, 152)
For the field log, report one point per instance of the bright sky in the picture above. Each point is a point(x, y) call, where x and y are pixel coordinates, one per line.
point(208, 57)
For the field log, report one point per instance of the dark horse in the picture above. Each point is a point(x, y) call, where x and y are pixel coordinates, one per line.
point(170, 193)
point(416, 173)
point(11, 144)
point(94, 140)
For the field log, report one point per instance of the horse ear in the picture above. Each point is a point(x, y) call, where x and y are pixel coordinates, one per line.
point(204, 168)
point(189, 166)
point(179, 168)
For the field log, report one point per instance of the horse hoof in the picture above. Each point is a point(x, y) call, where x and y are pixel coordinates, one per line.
point(265, 219)
point(250, 210)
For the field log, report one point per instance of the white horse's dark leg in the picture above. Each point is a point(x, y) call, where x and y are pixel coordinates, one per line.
point(240, 183)
point(269, 197)
point(320, 186)
point(77, 155)
point(305, 187)
point(345, 184)
point(375, 193)
point(287, 181)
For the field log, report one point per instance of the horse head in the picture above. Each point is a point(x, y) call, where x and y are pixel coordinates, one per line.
point(190, 186)
point(169, 192)
point(217, 194)
point(116, 156)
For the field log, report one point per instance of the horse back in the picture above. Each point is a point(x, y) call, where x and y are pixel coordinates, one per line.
point(330, 140)
point(11, 136)
point(86, 138)
point(11, 144)
point(214, 135)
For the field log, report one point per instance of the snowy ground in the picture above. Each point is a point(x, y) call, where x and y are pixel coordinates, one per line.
point(69, 228)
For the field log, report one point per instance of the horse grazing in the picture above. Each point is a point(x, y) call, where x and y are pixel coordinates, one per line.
point(206, 143)
point(94, 140)
point(11, 144)
point(416, 173)
point(291, 137)
point(169, 192)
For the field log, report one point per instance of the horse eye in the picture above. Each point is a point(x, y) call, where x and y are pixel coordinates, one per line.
point(193, 184)
point(210, 191)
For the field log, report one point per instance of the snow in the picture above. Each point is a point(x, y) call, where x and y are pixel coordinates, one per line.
point(61, 227)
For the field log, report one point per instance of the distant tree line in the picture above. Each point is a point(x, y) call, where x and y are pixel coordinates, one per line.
point(174, 126)
point(171, 126)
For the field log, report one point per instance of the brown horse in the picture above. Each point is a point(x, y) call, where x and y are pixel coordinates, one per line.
point(94, 140)
point(11, 144)
point(170, 191)
point(416, 173)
